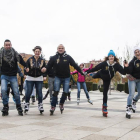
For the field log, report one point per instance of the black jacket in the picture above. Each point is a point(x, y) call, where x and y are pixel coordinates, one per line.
point(11, 71)
point(60, 64)
point(50, 73)
point(134, 68)
point(107, 71)
point(35, 67)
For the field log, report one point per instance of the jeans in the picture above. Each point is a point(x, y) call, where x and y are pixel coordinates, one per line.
point(57, 84)
point(30, 86)
point(83, 84)
point(132, 85)
point(14, 84)
point(51, 86)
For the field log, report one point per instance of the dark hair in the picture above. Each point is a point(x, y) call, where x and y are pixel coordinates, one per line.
point(82, 64)
point(37, 47)
point(7, 40)
point(115, 59)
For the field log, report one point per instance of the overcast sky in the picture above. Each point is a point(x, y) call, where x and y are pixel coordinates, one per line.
point(87, 28)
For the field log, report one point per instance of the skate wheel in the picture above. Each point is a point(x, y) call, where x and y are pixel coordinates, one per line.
point(20, 114)
point(3, 114)
point(51, 113)
point(25, 112)
point(128, 116)
point(104, 114)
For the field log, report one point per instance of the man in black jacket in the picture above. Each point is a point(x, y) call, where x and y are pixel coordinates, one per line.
point(60, 63)
point(51, 78)
point(8, 63)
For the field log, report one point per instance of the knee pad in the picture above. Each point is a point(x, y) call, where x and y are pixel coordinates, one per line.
point(55, 93)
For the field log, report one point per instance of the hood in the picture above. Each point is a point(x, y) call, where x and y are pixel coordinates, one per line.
point(110, 64)
point(63, 54)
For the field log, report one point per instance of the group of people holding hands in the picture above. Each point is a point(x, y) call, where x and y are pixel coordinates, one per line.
point(59, 73)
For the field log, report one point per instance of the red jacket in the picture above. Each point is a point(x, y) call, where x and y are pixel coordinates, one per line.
point(81, 78)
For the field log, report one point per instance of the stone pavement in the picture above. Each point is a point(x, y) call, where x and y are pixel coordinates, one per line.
point(83, 122)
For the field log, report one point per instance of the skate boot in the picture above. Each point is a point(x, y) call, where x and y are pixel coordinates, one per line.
point(104, 110)
point(61, 108)
point(19, 109)
point(26, 107)
point(134, 106)
point(128, 112)
point(52, 110)
point(5, 110)
point(69, 98)
point(69, 93)
point(78, 101)
point(33, 100)
point(66, 98)
point(40, 108)
point(90, 101)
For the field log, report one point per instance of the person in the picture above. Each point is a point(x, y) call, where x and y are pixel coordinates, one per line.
point(9, 86)
point(8, 63)
point(50, 73)
point(106, 71)
point(20, 80)
point(71, 81)
point(46, 95)
point(133, 69)
point(33, 92)
point(60, 63)
point(35, 76)
point(81, 82)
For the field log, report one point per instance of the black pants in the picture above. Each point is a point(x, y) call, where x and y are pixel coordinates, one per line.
point(106, 84)
point(8, 90)
point(21, 86)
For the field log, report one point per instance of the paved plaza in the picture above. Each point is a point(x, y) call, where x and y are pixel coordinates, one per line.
point(78, 122)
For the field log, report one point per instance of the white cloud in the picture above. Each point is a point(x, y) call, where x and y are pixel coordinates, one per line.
point(87, 28)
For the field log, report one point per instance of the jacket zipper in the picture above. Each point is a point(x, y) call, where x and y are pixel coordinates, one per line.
point(35, 67)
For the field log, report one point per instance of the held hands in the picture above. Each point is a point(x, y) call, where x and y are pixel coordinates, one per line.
point(44, 78)
point(43, 70)
point(25, 76)
point(27, 69)
point(84, 73)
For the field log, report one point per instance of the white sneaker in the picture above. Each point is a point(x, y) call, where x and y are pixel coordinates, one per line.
point(26, 107)
point(128, 110)
point(90, 101)
point(134, 106)
point(78, 101)
point(40, 107)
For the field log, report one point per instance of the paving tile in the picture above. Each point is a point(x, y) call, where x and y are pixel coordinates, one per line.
point(71, 135)
point(117, 132)
point(47, 138)
point(137, 129)
point(99, 137)
point(31, 135)
point(92, 129)
point(131, 136)
point(4, 126)
point(46, 124)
